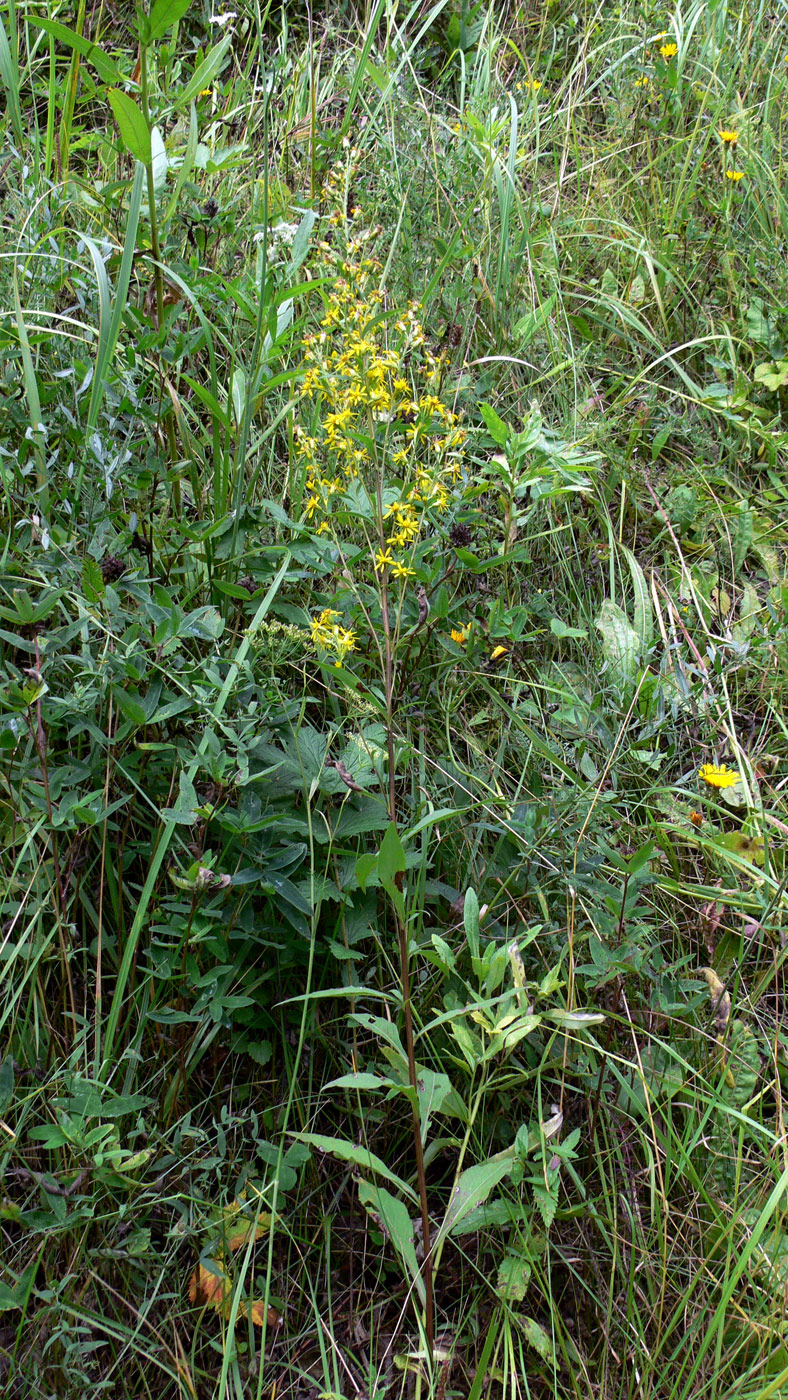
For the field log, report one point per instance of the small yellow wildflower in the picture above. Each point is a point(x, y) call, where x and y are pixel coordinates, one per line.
point(498, 653)
point(722, 777)
point(533, 83)
point(728, 138)
point(400, 570)
point(734, 174)
point(384, 559)
point(330, 637)
point(643, 81)
point(206, 92)
point(669, 51)
point(459, 637)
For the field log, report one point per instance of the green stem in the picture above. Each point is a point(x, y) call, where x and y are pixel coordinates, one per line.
point(158, 279)
point(158, 276)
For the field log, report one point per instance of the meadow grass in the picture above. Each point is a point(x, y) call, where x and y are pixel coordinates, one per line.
point(393, 743)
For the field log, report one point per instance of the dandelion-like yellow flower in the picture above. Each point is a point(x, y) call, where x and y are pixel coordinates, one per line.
point(728, 138)
point(459, 637)
point(669, 51)
point(722, 777)
point(643, 81)
point(734, 174)
point(533, 84)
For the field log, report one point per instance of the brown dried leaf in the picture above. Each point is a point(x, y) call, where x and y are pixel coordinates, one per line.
point(209, 1288)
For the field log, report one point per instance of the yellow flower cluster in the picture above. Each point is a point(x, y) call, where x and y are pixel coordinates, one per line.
point(330, 637)
point(379, 418)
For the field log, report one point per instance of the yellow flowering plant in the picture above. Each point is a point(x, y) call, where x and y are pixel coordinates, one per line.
point(378, 452)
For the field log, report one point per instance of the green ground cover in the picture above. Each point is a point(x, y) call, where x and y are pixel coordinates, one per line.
point(393, 749)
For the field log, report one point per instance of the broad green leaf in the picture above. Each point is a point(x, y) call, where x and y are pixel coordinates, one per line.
point(574, 1020)
point(495, 426)
point(132, 125)
point(774, 374)
point(383, 1029)
point(238, 393)
point(471, 921)
point(391, 856)
point(514, 1275)
point(620, 642)
point(16, 1297)
point(9, 72)
point(106, 67)
point(742, 844)
point(130, 705)
point(350, 1152)
point(560, 629)
point(359, 1081)
point(473, 1188)
point(395, 1219)
point(743, 536)
point(163, 15)
point(6, 1083)
point(159, 160)
point(366, 865)
point(643, 619)
point(538, 1338)
point(203, 76)
point(437, 1094)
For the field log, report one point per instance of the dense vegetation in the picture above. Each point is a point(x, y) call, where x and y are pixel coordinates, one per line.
point(393, 752)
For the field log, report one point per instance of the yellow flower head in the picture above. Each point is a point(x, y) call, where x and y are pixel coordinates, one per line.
point(722, 777)
point(669, 51)
point(728, 138)
point(642, 81)
point(734, 174)
point(498, 653)
point(459, 637)
point(400, 570)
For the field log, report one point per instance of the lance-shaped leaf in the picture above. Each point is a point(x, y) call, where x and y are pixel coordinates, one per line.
point(134, 130)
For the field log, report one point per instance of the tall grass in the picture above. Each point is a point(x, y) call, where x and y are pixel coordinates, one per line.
point(307, 952)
